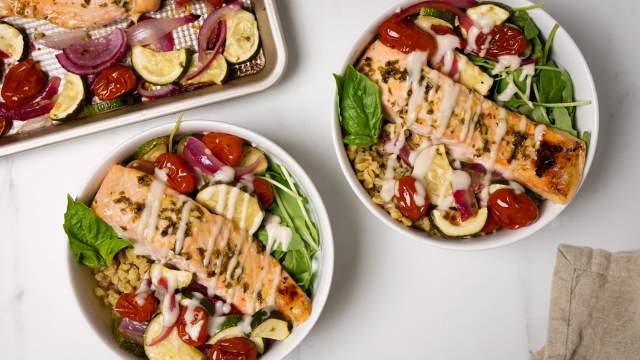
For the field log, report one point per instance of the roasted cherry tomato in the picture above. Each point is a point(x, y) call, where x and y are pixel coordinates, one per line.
point(404, 36)
point(23, 81)
point(264, 192)
point(128, 306)
point(113, 82)
point(188, 323)
point(179, 176)
point(491, 225)
point(216, 3)
point(511, 210)
point(238, 348)
point(227, 148)
point(407, 199)
point(5, 125)
point(505, 40)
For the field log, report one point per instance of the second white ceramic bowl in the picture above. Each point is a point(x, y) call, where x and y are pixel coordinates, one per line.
point(83, 282)
point(565, 53)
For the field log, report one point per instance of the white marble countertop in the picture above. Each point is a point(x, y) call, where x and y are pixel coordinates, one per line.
point(392, 298)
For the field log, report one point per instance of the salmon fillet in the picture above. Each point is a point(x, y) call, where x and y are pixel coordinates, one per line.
point(475, 129)
point(77, 13)
point(222, 256)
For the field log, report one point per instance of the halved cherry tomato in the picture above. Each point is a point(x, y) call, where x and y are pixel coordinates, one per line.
point(511, 210)
point(404, 36)
point(491, 225)
point(238, 348)
point(113, 82)
point(505, 40)
point(23, 81)
point(179, 176)
point(264, 192)
point(405, 199)
point(127, 306)
point(227, 148)
point(5, 125)
point(199, 319)
point(216, 3)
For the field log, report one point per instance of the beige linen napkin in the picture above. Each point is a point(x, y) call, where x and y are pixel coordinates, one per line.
point(595, 306)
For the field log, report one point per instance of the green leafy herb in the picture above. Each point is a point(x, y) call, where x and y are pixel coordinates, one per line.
point(360, 108)
point(93, 242)
point(290, 206)
point(522, 19)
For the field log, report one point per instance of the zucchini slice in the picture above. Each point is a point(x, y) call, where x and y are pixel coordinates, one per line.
point(106, 106)
point(488, 14)
point(216, 72)
point(171, 348)
point(160, 67)
point(449, 222)
point(129, 346)
point(228, 333)
point(259, 344)
point(443, 15)
point(70, 100)
point(250, 156)
point(230, 321)
point(243, 37)
point(275, 329)
point(13, 42)
point(151, 149)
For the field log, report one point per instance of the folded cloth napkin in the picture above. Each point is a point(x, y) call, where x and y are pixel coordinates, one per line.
point(595, 306)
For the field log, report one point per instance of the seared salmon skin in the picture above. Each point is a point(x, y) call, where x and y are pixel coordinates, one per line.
point(475, 129)
point(173, 228)
point(78, 13)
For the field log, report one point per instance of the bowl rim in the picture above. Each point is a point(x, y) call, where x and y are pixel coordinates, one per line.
point(322, 285)
point(471, 244)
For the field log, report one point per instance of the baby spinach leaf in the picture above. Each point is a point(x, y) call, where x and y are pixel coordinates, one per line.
point(360, 107)
point(93, 242)
point(563, 121)
point(522, 19)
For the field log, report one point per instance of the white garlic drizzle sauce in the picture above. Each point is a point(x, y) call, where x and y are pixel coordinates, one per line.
point(460, 180)
point(149, 218)
point(415, 62)
point(193, 330)
point(500, 131)
point(182, 227)
point(169, 304)
point(538, 134)
point(468, 113)
point(215, 232)
point(212, 289)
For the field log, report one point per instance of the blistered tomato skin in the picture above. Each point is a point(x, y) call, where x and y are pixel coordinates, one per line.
point(404, 36)
point(5, 125)
point(227, 148)
point(127, 306)
point(238, 348)
point(179, 176)
point(405, 199)
point(22, 82)
point(198, 319)
point(114, 82)
point(264, 192)
point(511, 210)
point(504, 40)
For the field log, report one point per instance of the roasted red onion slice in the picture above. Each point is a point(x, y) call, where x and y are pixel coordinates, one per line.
point(3, 55)
point(132, 330)
point(248, 170)
point(151, 30)
point(161, 92)
point(206, 30)
point(198, 156)
point(95, 52)
point(216, 51)
point(50, 90)
point(64, 39)
point(27, 111)
point(463, 200)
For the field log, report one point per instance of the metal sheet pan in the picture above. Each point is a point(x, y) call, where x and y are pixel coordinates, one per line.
point(271, 62)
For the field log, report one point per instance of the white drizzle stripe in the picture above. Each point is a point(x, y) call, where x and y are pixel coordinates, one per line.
point(215, 231)
point(182, 227)
point(231, 205)
point(274, 285)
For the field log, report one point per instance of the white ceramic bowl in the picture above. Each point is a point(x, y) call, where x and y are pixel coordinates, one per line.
point(565, 53)
point(83, 282)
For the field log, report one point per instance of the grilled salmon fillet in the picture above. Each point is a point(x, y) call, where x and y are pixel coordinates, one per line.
point(78, 13)
point(220, 254)
point(475, 129)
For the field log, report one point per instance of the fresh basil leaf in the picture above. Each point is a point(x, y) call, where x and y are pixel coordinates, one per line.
point(359, 140)
point(563, 121)
point(360, 106)
point(93, 242)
